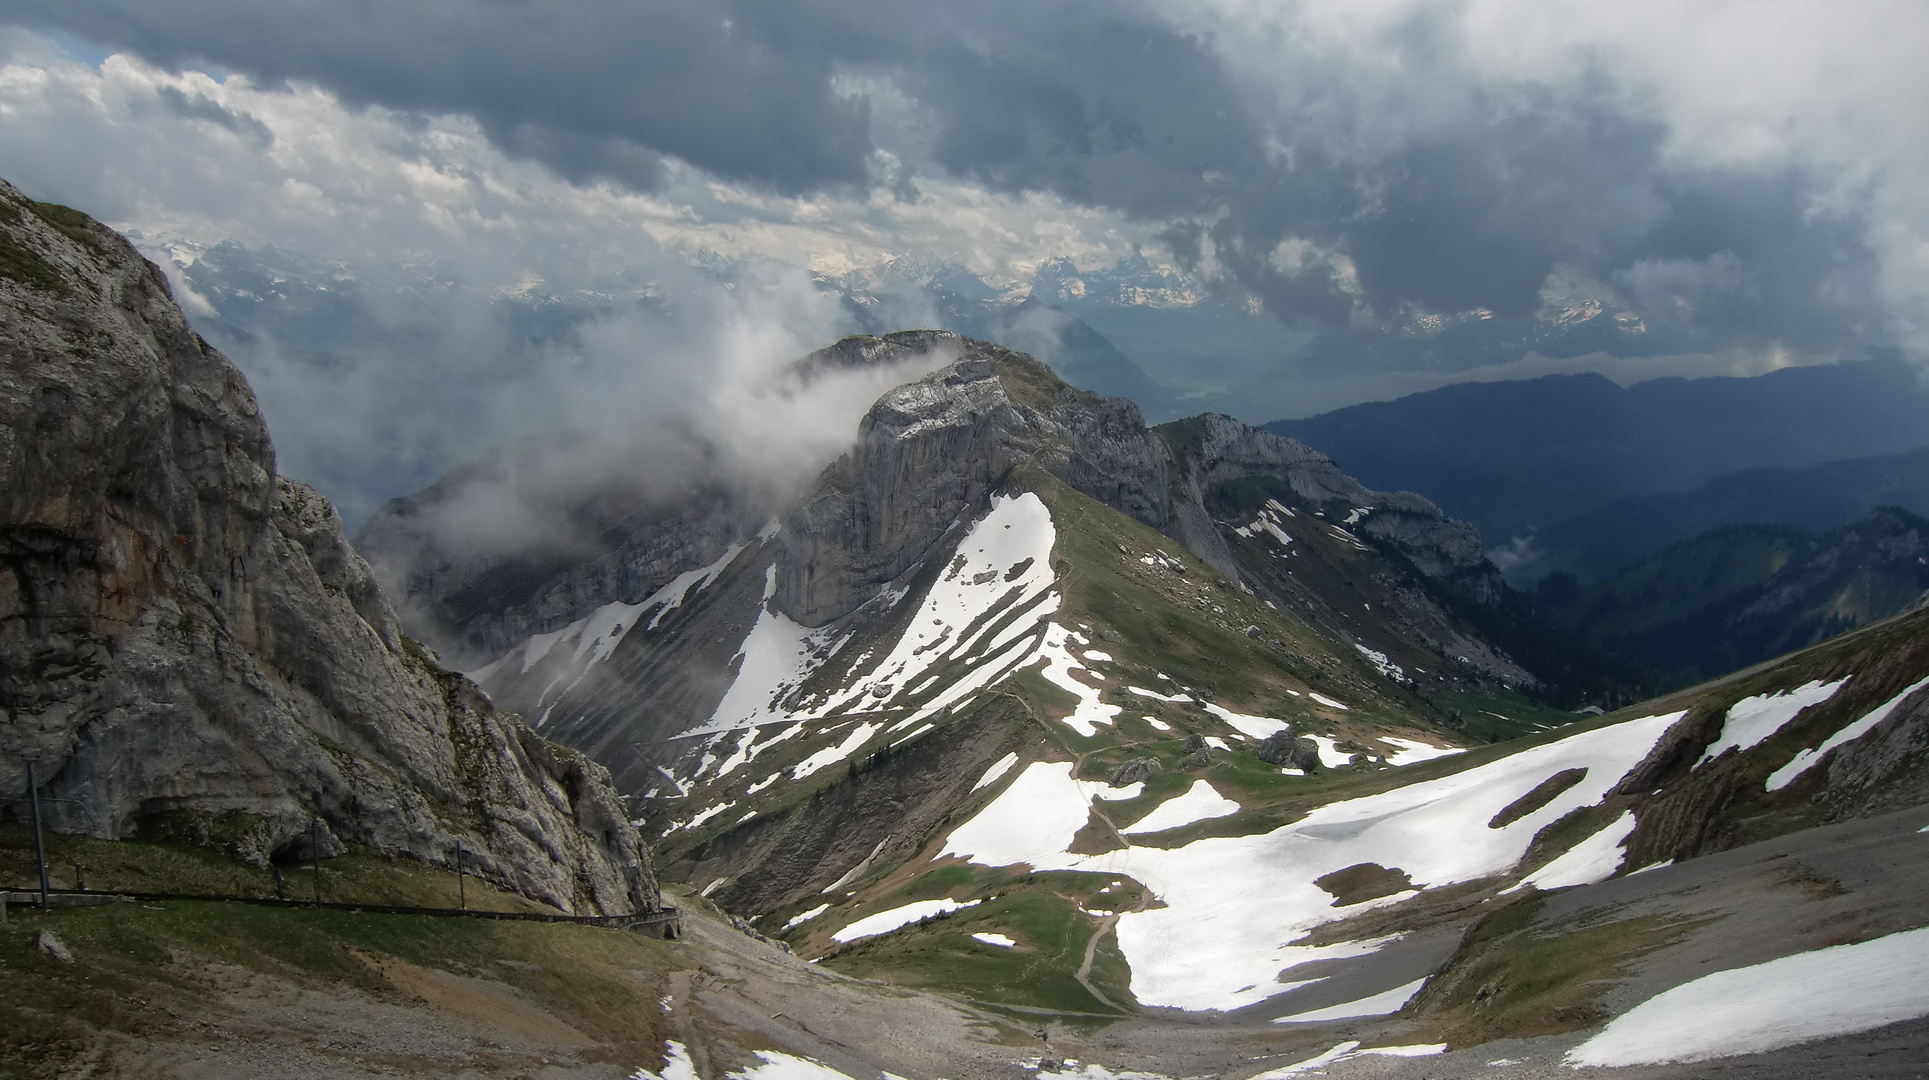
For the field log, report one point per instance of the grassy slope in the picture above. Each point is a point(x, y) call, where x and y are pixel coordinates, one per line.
point(139, 968)
point(1189, 625)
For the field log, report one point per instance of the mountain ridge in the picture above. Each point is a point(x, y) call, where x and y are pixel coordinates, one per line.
point(1512, 456)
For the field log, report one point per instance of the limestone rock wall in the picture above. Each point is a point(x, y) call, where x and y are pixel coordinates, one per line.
point(188, 645)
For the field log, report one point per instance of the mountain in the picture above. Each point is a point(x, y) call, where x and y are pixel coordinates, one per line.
point(962, 302)
point(1738, 595)
point(1817, 498)
point(1022, 739)
point(1516, 456)
point(190, 648)
point(992, 532)
point(969, 716)
point(1293, 559)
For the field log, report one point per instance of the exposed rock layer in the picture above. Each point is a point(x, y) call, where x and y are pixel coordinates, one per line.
point(188, 645)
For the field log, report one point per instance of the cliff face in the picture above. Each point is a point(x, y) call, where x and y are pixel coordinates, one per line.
point(932, 448)
point(189, 647)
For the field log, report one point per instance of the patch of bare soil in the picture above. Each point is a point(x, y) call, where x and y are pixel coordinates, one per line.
point(480, 1004)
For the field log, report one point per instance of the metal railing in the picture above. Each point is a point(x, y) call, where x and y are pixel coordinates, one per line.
point(665, 917)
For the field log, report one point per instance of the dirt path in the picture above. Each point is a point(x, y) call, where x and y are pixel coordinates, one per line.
point(1083, 975)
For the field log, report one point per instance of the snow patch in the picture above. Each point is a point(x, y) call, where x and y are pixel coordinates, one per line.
point(676, 1064)
point(1271, 516)
point(1032, 821)
point(1753, 719)
point(1316, 1066)
point(1006, 552)
point(1748, 1010)
point(886, 921)
point(998, 768)
point(1200, 802)
point(999, 940)
point(1059, 664)
point(776, 1065)
point(1593, 859)
point(1412, 752)
point(1257, 727)
point(1328, 702)
point(775, 657)
point(1390, 1001)
point(1801, 763)
point(804, 917)
point(1384, 665)
point(831, 755)
point(1330, 754)
point(1155, 695)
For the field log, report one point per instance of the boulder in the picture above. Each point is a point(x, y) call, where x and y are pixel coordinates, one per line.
point(1133, 772)
point(53, 947)
point(1282, 748)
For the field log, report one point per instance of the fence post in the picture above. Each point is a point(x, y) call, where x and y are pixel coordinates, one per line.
point(39, 846)
point(314, 855)
point(461, 887)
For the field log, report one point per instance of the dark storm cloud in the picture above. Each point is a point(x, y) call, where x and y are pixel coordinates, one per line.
point(1346, 185)
point(202, 107)
point(592, 87)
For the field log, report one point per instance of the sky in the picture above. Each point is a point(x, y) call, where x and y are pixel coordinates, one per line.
point(1738, 183)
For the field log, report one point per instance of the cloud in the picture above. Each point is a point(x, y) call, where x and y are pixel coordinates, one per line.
point(592, 88)
point(1405, 179)
point(650, 405)
point(403, 294)
point(1445, 158)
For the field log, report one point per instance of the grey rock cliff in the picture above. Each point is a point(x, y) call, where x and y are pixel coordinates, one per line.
point(189, 647)
point(931, 449)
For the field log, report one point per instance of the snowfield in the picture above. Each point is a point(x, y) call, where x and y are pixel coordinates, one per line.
point(1007, 551)
point(1811, 995)
point(1234, 903)
point(774, 658)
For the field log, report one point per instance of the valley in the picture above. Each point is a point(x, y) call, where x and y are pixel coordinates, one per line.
point(1018, 738)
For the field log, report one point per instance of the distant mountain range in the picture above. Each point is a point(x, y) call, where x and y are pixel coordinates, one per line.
point(1742, 594)
point(1818, 498)
point(1516, 457)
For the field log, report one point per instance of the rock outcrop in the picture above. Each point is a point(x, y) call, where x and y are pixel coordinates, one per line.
point(190, 649)
point(1289, 751)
